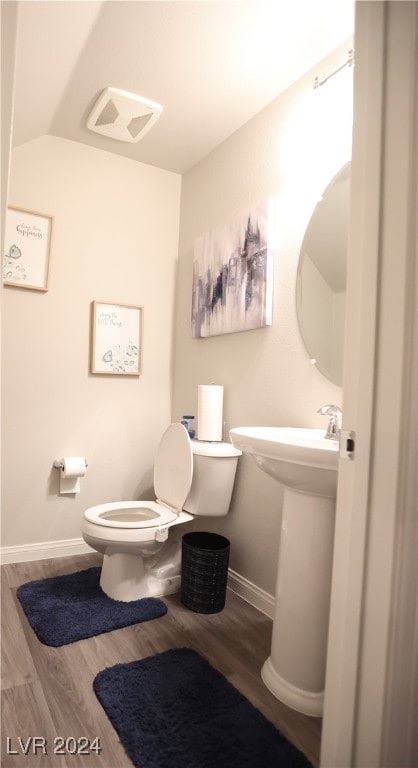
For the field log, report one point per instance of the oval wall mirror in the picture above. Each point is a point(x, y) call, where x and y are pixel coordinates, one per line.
point(321, 278)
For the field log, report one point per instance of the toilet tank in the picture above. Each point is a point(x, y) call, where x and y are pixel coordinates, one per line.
point(214, 467)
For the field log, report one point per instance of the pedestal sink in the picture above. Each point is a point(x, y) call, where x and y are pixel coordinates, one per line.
point(305, 463)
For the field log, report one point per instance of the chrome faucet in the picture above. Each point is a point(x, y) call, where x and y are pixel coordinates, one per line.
point(334, 426)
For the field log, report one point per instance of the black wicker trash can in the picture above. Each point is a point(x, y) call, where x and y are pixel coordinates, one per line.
point(204, 571)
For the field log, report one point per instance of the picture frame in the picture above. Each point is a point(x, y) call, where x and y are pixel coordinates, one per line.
point(28, 238)
point(116, 339)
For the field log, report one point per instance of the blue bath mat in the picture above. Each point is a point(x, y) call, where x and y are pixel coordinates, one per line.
point(63, 609)
point(174, 710)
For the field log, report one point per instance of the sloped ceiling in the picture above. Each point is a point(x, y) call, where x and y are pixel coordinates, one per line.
point(212, 65)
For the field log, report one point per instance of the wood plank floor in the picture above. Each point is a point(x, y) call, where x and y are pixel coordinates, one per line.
point(47, 692)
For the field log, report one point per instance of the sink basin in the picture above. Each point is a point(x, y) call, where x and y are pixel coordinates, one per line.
point(301, 459)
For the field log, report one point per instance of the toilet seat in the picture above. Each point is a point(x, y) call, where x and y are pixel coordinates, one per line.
point(173, 467)
point(130, 514)
point(173, 472)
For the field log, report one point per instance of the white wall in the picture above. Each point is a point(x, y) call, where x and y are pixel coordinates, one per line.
point(115, 239)
point(289, 152)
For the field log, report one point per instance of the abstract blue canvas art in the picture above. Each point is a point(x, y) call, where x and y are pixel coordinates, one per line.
point(232, 276)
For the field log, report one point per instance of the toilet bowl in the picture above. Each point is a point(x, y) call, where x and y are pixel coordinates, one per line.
point(191, 478)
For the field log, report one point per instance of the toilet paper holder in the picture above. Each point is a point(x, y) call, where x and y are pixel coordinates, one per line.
point(59, 464)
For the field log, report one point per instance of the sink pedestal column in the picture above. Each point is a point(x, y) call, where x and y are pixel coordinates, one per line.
point(295, 671)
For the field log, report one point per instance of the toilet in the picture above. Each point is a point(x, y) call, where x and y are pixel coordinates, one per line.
point(191, 478)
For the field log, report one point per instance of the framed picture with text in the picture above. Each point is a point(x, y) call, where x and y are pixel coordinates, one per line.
point(28, 236)
point(116, 343)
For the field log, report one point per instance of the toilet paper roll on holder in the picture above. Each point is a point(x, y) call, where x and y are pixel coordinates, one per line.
point(59, 464)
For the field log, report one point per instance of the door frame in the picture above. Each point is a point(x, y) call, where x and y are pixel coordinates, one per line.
point(375, 570)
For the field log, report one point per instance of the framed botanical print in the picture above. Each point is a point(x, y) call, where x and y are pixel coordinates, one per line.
point(26, 259)
point(116, 346)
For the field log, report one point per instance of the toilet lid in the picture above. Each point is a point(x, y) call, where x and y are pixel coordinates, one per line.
point(173, 467)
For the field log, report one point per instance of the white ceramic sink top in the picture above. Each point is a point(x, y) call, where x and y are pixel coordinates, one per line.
point(301, 459)
point(305, 446)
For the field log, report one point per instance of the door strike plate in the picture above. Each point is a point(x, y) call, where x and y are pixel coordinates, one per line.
point(347, 444)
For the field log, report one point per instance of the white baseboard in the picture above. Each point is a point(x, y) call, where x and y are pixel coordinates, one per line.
point(251, 593)
point(43, 550)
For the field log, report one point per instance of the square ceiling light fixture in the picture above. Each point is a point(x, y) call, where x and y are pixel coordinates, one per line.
point(122, 115)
